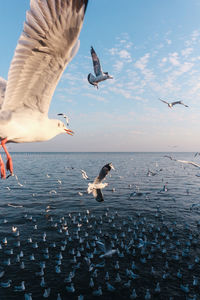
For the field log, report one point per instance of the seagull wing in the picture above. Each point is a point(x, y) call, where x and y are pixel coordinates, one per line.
point(46, 46)
point(189, 162)
point(164, 101)
point(101, 246)
point(176, 102)
point(96, 63)
point(3, 84)
point(104, 171)
point(98, 195)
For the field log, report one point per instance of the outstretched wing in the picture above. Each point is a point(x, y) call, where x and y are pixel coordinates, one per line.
point(164, 101)
point(188, 162)
point(176, 102)
point(96, 63)
point(47, 44)
point(97, 193)
point(3, 84)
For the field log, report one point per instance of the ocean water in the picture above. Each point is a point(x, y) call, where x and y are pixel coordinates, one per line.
point(151, 219)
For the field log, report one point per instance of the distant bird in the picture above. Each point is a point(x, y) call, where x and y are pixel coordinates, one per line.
point(106, 248)
point(84, 175)
point(188, 162)
point(170, 157)
point(47, 44)
point(197, 153)
point(97, 185)
point(100, 75)
point(65, 117)
point(170, 105)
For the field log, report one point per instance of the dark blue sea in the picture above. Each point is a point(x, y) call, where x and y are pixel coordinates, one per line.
point(150, 217)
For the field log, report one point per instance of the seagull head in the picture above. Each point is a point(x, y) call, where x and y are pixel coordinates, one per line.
point(110, 166)
point(63, 129)
point(108, 76)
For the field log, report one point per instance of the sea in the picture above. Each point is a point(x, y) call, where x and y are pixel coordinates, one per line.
point(55, 238)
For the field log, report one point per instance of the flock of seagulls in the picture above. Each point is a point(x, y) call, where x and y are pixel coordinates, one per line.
point(88, 254)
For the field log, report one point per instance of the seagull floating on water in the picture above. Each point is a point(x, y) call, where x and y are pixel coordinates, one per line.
point(48, 43)
point(100, 75)
point(97, 185)
point(170, 105)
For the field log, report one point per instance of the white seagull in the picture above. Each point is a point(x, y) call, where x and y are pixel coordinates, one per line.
point(97, 185)
point(47, 44)
point(100, 75)
point(65, 117)
point(184, 161)
point(170, 105)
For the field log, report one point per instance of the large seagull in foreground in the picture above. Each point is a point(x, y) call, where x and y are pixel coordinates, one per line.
point(170, 105)
point(100, 75)
point(47, 44)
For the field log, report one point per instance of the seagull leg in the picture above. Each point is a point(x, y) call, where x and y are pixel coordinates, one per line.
point(2, 167)
point(9, 164)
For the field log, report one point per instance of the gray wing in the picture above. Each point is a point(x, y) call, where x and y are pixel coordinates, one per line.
point(176, 102)
point(96, 63)
point(46, 46)
point(98, 195)
point(164, 101)
point(104, 171)
point(3, 84)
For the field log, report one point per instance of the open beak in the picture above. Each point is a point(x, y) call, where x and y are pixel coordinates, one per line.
point(68, 131)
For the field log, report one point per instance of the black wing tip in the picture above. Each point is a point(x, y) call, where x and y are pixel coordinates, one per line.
point(92, 50)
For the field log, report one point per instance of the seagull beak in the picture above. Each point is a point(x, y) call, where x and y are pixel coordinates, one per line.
point(68, 131)
point(112, 167)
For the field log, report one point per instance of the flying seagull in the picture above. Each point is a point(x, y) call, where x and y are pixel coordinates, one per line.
point(170, 105)
point(65, 117)
point(184, 161)
point(97, 185)
point(47, 44)
point(100, 75)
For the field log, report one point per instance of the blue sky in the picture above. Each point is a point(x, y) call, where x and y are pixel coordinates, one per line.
point(152, 48)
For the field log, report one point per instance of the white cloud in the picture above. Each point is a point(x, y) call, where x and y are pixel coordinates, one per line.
point(142, 62)
point(173, 58)
point(187, 51)
point(125, 54)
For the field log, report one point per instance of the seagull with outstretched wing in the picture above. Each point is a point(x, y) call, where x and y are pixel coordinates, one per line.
point(96, 187)
point(47, 44)
point(170, 105)
point(99, 74)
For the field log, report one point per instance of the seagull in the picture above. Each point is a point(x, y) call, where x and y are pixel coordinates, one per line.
point(196, 154)
point(65, 117)
point(189, 162)
point(100, 75)
point(106, 248)
point(84, 174)
point(47, 44)
point(170, 105)
point(97, 185)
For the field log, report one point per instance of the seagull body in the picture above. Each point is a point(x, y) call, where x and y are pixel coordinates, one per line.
point(170, 105)
point(99, 74)
point(47, 44)
point(97, 185)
